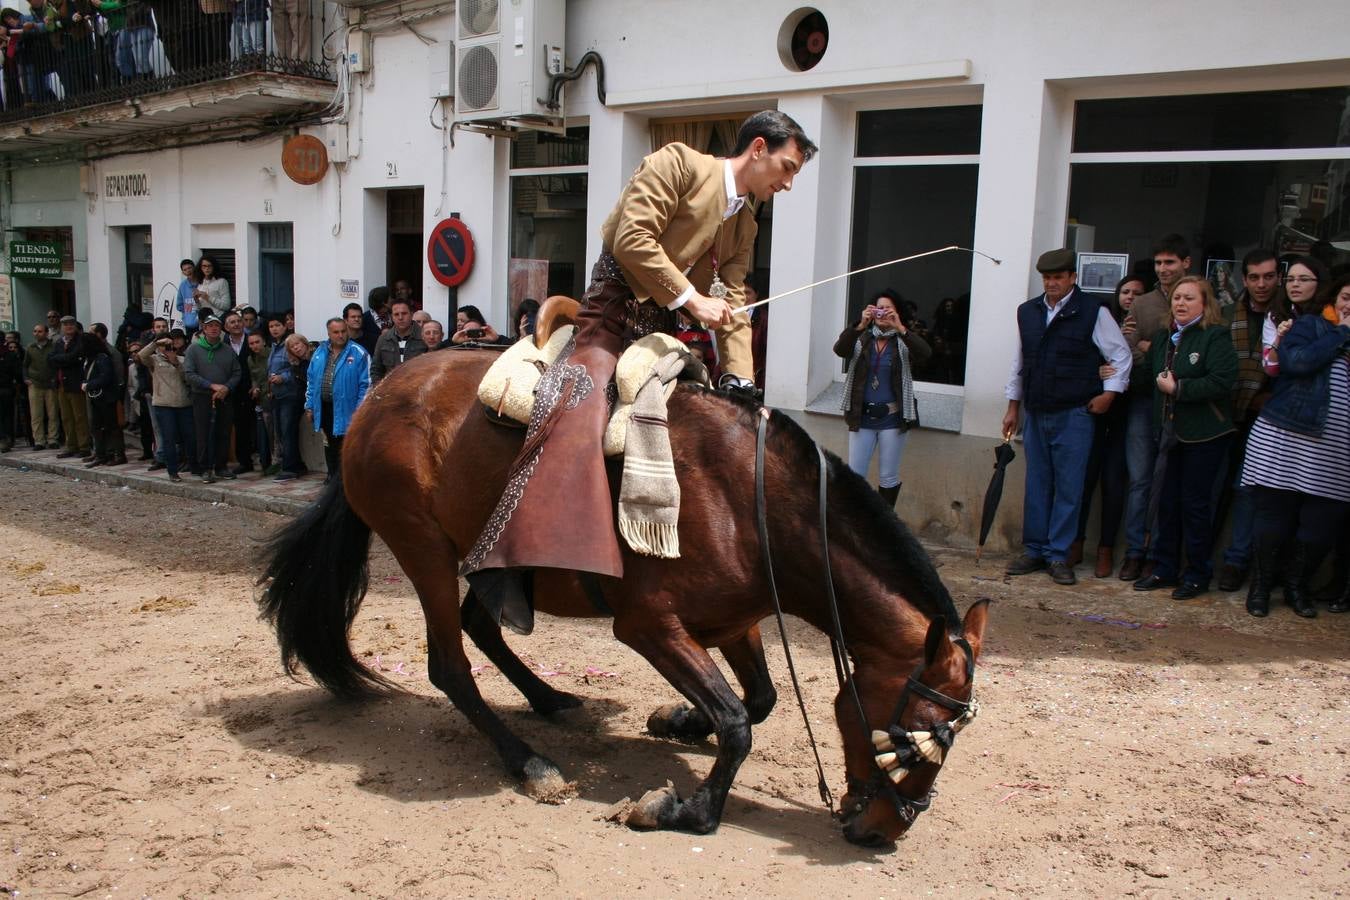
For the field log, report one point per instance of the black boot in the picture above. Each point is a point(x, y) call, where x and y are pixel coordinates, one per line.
point(1298, 578)
point(1339, 600)
point(889, 494)
point(1262, 575)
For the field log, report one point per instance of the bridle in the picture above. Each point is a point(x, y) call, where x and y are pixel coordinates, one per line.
point(898, 749)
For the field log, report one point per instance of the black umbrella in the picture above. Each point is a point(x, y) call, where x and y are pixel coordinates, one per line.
point(1003, 454)
point(1167, 440)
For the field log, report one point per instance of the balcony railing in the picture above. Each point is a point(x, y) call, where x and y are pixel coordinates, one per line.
point(85, 52)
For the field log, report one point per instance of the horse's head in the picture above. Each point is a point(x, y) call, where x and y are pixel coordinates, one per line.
point(912, 718)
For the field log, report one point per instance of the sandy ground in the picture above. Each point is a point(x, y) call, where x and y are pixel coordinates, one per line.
point(151, 746)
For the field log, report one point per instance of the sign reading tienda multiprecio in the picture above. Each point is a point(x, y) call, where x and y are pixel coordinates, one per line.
point(35, 259)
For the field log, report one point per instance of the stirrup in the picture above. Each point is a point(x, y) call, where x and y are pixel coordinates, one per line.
point(506, 596)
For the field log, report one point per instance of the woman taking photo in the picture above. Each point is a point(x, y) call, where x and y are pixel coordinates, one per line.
point(1106, 463)
point(879, 404)
point(1194, 367)
point(1298, 454)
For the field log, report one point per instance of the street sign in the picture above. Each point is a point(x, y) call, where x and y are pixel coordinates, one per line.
point(35, 259)
point(450, 252)
point(304, 159)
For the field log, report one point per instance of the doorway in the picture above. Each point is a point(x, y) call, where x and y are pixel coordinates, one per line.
point(276, 269)
point(405, 241)
point(140, 272)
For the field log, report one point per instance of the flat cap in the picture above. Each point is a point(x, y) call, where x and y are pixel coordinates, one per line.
point(210, 319)
point(1061, 260)
point(70, 319)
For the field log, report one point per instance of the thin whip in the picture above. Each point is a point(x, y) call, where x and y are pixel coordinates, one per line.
point(890, 262)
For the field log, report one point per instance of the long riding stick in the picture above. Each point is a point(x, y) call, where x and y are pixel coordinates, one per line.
point(889, 262)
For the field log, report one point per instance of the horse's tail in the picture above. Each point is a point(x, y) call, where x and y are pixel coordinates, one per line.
point(319, 571)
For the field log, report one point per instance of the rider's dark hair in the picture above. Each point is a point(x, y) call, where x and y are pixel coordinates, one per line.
point(777, 129)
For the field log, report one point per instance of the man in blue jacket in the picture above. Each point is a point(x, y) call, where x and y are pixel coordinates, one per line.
point(339, 376)
point(1064, 335)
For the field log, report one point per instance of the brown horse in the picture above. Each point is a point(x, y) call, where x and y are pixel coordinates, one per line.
point(423, 467)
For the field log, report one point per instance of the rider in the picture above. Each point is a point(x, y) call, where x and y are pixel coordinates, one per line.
point(678, 241)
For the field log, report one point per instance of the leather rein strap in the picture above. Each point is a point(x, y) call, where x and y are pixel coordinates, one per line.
point(762, 525)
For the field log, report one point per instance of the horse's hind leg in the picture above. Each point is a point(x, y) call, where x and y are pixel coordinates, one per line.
point(746, 657)
point(487, 635)
point(689, 668)
point(431, 570)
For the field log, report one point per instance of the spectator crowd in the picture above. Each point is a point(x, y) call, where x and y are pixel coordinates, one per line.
point(1191, 418)
point(82, 46)
point(218, 391)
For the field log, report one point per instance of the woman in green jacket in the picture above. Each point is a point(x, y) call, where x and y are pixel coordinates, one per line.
point(1195, 367)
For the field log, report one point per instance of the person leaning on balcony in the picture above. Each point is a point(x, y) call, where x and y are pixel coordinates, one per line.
point(212, 42)
point(37, 60)
point(71, 26)
point(290, 29)
point(250, 27)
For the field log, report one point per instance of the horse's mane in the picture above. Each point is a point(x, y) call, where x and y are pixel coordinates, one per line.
point(861, 506)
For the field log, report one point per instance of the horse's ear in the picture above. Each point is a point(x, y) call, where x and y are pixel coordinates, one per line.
point(973, 626)
point(936, 640)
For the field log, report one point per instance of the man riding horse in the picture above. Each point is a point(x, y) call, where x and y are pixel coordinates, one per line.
point(678, 242)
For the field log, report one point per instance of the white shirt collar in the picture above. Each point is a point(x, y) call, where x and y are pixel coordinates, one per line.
point(734, 201)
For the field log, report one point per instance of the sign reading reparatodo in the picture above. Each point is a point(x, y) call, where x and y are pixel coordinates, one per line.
point(450, 252)
point(35, 259)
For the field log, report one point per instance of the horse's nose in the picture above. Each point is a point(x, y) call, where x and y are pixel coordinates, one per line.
point(869, 837)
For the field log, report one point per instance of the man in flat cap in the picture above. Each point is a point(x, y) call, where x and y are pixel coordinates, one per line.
point(1065, 335)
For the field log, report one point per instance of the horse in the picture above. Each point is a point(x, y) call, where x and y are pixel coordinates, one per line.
point(423, 467)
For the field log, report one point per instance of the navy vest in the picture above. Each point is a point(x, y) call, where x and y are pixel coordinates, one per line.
point(1059, 361)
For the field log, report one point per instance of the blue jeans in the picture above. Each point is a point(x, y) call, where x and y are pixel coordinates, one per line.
point(1057, 445)
point(1239, 552)
point(133, 51)
point(863, 442)
point(250, 37)
point(175, 428)
point(288, 432)
point(1141, 454)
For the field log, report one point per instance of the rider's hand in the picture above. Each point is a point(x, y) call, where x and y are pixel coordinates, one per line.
point(709, 311)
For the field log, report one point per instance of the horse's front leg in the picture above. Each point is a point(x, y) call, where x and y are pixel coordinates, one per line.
point(487, 635)
point(746, 657)
point(689, 668)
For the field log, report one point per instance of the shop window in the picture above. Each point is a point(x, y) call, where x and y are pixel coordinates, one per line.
point(914, 188)
point(548, 215)
point(1133, 181)
point(1264, 120)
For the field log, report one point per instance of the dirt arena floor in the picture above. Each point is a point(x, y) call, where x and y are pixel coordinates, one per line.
point(150, 746)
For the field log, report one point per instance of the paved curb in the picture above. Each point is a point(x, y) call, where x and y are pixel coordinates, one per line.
point(190, 488)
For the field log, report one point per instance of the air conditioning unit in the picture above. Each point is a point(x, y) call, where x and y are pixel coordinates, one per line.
point(506, 55)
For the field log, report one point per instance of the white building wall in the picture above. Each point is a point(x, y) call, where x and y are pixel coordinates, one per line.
point(1026, 64)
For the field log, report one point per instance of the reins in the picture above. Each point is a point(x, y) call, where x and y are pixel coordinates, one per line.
point(762, 525)
point(911, 745)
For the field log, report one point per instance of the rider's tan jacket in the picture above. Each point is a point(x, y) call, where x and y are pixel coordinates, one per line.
point(667, 229)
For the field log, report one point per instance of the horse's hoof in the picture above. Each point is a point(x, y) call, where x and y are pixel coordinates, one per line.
point(655, 805)
point(545, 784)
point(559, 704)
point(679, 721)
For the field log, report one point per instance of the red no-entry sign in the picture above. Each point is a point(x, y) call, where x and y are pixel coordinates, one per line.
point(450, 252)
